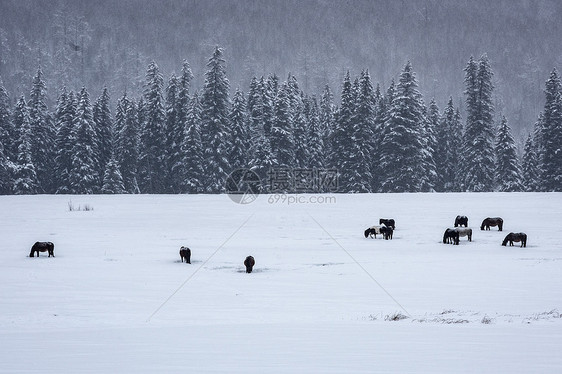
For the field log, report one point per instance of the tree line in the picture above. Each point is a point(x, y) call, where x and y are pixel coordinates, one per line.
point(173, 140)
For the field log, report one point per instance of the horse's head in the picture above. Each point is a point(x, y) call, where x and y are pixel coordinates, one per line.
point(367, 232)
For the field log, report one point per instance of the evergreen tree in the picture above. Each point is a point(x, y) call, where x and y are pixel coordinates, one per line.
point(192, 149)
point(478, 148)
point(359, 167)
point(340, 155)
point(7, 132)
point(315, 135)
point(508, 170)
point(84, 178)
point(282, 137)
point(326, 118)
point(448, 134)
point(530, 167)
point(127, 143)
point(151, 167)
point(429, 145)
point(300, 134)
point(177, 131)
point(43, 134)
point(65, 140)
point(112, 179)
point(551, 160)
point(214, 121)
point(238, 155)
point(5, 175)
point(171, 123)
point(25, 177)
point(402, 144)
point(103, 132)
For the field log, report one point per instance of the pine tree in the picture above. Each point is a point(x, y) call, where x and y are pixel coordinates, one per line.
point(551, 157)
point(170, 130)
point(43, 134)
point(359, 167)
point(112, 179)
point(478, 148)
point(214, 121)
point(25, 177)
point(315, 135)
point(104, 132)
point(238, 155)
point(192, 150)
point(177, 132)
point(340, 155)
point(282, 137)
point(530, 168)
point(65, 140)
point(127, 143)
point(84, 178)
point(5, 175)
point(300, 134)
point(326, 117)
point(7, 131)
point(508, 170)
point(448, 135)
point(151, 167)
point(429, 144)
point(402, 145)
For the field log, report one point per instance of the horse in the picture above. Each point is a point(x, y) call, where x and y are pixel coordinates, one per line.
point(386, 232)
point(185, 253)
point(373, 231)
point(461, 221)
point(451, 236)
point(464, 231)
point(515, 237)
point(249, 262)
point(387, 222)
point(496, 221)
point(42, 247)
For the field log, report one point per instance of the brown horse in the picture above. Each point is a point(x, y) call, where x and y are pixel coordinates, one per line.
point(42, 247)
point(185, 253)
point(496, 221)
point(388, 222)
point(515, 237)
point(249, 262)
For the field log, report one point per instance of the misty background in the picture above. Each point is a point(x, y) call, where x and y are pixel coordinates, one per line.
point(110, 43)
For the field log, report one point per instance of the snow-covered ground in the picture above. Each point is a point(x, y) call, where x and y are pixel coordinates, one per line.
point(322, 298)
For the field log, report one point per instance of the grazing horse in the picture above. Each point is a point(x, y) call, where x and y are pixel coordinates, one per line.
point(185, 253)
point(373, 231)
point(387, 222)
point(496, 221)
point(42, 247)
point(464, 231)
point(461, 221)
point(515, 237)
point(386, 232)
point(249, 262)
point(451, 236)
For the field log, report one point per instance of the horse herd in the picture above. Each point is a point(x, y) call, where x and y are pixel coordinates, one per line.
point(386, 228)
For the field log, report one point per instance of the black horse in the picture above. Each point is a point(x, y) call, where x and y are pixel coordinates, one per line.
point(185, 253)
point(496, 221)
point(386, 232)
point(249, 262)
point(461, 221)
point(373, 231)
point(515, 237)
point(387, 222)
point(42, 247)
point(451, 236)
